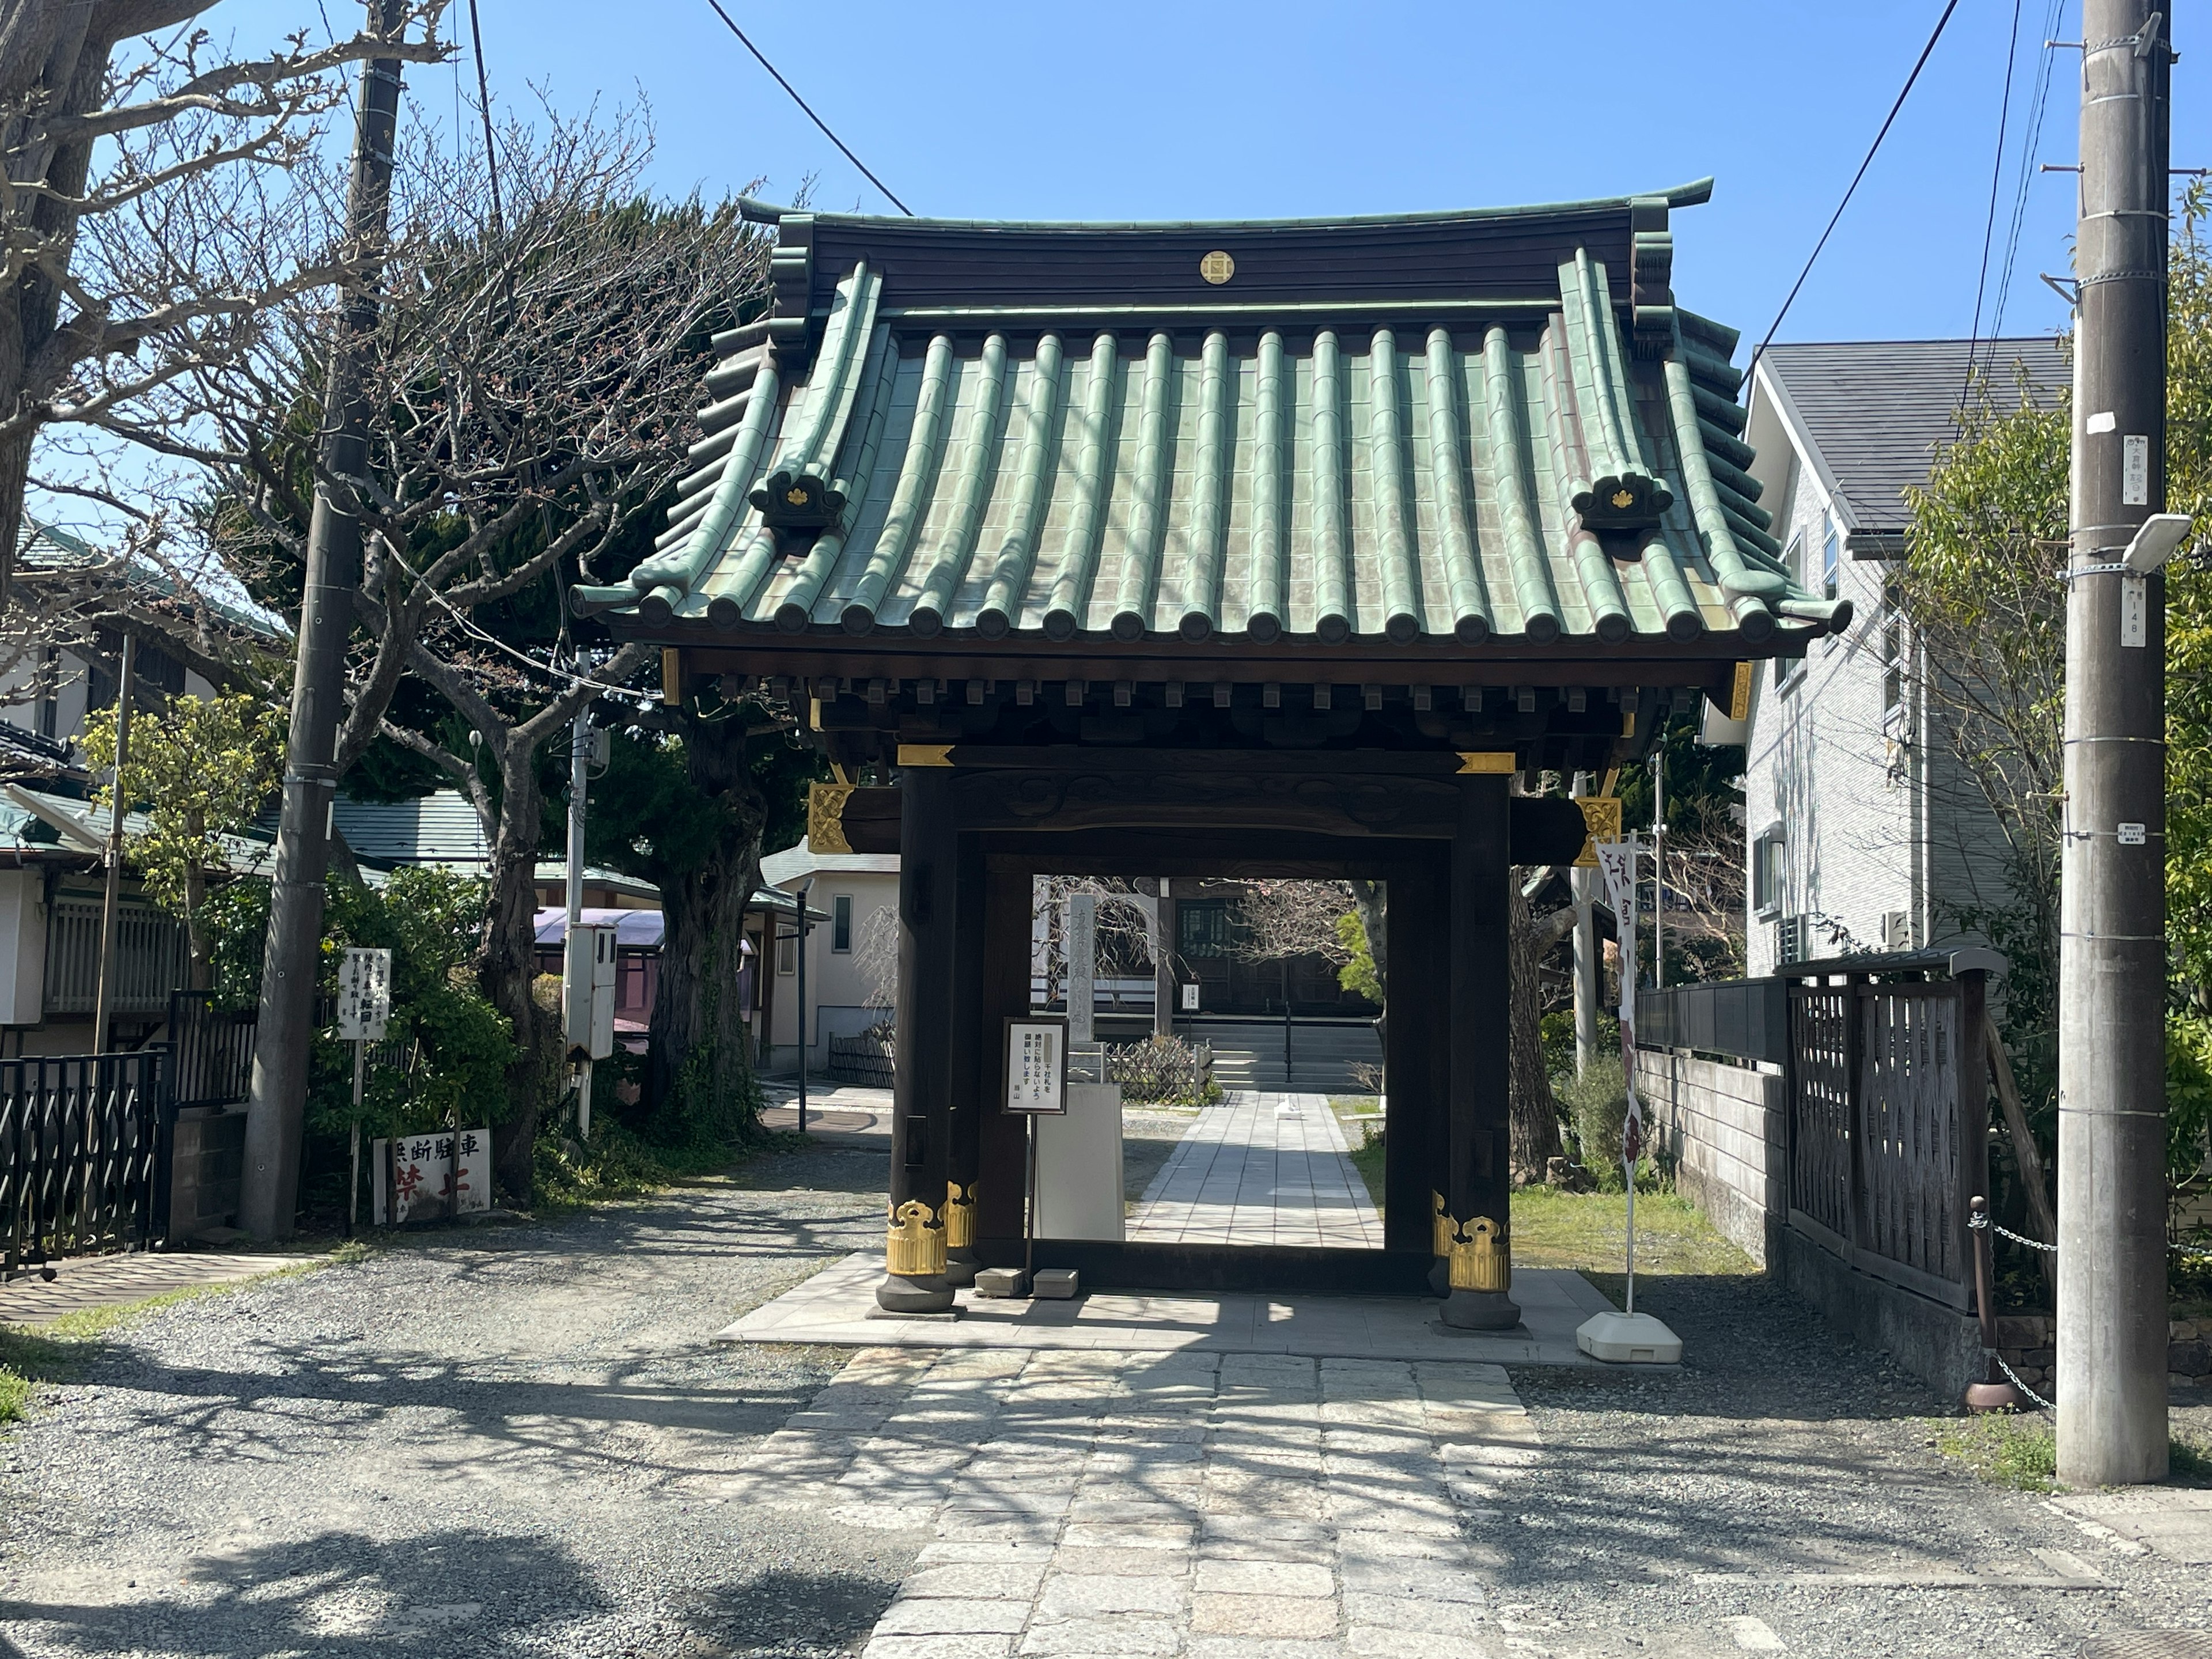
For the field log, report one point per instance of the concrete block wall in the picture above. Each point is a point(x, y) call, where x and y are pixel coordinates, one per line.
point(207, 1164)
point(1722, 1125)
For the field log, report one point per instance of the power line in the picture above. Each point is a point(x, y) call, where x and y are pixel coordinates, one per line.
point(2031, 143)
point(1921, 63)
point(483, 101)
point(1990, 222)
point(817, 120)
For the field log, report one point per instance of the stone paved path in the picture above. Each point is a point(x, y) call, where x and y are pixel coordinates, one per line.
point(1214, 1506)
point(102, 1281)
point(1260, 1169)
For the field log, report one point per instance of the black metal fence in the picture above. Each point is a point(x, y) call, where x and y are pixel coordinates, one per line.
point(1747, 1018)
point(82, 1154)
point(214, 1051)
point(88, 1141)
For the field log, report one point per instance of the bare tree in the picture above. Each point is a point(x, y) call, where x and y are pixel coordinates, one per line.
point(532, 391)
point(205, 156)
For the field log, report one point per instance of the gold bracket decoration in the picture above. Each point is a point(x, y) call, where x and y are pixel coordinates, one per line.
point(925, 754)
point(1488, 763)
point(1601, 817)
point(1440, 1229)
point(959, 1216)
point(914, 1247)
point(1481, 1257)
point(671, 676)
point(825, 816)
point(1739, 693)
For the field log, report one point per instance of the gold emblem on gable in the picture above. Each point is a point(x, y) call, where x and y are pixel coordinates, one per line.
point(1624, 499)
point(1217, 267)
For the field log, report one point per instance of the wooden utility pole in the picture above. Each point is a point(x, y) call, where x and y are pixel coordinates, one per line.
point(2111, 1030)
point(278, 1104)
point(110, 903)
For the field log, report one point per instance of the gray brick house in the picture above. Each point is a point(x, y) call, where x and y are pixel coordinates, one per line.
point(1862, 831)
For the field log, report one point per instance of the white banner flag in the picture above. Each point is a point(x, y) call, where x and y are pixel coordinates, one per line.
point(1617, 858)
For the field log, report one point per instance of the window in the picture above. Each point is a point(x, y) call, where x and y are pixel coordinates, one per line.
point(841, 924)
point(1204, 928)
point(786, 955)
point(1766, 872)
point(1831, 555)
point(1790, 941)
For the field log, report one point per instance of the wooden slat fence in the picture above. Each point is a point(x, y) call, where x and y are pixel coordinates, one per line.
point(1889, 1127)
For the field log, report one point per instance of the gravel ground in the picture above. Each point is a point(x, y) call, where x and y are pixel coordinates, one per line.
point(510, 1440)
point(1679, 1502)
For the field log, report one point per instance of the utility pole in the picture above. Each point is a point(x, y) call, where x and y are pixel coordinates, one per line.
point(110, 903)
point(579, 756)
point(277, 1103)
point(2111, 1032)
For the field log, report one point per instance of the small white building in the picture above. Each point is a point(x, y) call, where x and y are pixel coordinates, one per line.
point(850, 958)
point(1863, 833)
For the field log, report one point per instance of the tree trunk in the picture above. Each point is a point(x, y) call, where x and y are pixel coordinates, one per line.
point(696, 1058)
point(508, 964)
point(1371, 900)
point(1535, 1116)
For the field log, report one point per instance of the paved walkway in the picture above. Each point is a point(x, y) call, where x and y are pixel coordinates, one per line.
point(1209, 1505)
point(1260, 1169)
point(106, 1281)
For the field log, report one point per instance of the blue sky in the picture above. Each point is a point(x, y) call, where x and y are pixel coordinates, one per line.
point(1160, 109)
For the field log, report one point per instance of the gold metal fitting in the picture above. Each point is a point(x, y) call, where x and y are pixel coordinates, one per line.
point(913, 1246)
point(1440, 1228)
point(1481, 1256)
point(959, 1215)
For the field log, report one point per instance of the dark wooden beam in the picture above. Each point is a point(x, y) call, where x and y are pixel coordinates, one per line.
point(922, 1086)
point(1479, 1196)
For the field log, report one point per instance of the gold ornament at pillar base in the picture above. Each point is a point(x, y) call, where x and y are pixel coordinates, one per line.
point(1440, 1228)
point(1481, 1257)
point(913, 1246)
point(959, 1216)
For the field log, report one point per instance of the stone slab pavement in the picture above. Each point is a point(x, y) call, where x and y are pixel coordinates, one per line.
point(836, 1307)
point(102, 1281)
point(1260, 1169)
point(1267, 1506)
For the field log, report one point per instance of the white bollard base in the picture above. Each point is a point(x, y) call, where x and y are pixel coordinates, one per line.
point(1624, 1339)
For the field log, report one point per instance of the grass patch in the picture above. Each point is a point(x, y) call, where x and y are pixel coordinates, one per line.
point(1587, 1231)
point(618, 1165)
point(1364, 1139)
point(2003, 1449)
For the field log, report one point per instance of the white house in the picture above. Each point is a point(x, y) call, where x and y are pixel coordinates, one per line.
point(1863, 834)
point(847, 980)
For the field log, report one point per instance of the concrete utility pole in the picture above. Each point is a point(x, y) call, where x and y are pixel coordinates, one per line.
point(278, 1103)
point(579, 784)
point(110, 903)
point(2111, 1032)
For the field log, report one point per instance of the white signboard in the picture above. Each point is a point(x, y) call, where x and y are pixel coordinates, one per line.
point(364, 995)
point(418, 1177)
point(1190, 999)
point(1036, 1066)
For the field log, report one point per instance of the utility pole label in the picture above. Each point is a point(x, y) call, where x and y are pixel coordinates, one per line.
point(2134, 470)
point(2134, 609)
point(2131, 835)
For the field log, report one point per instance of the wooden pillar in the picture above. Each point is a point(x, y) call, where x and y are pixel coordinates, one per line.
point(1478, 1202)
point(963, 1149)
point(921, 1093)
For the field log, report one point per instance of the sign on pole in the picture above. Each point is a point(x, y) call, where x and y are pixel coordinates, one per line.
point(364, 994)
point(1036, 1066)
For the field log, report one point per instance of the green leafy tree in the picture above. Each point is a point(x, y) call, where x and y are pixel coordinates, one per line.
point(202, 766)
point(1983, 590)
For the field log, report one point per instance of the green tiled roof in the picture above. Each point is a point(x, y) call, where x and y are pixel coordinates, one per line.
point(1318, 454)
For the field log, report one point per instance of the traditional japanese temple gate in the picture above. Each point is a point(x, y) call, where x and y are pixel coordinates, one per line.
point(1235, 549)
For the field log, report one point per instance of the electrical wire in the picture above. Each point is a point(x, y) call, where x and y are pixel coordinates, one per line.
point(484, 103)
point(1990, 220)
point(1887, 122)
point(2031, 143)
point(811, 115)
